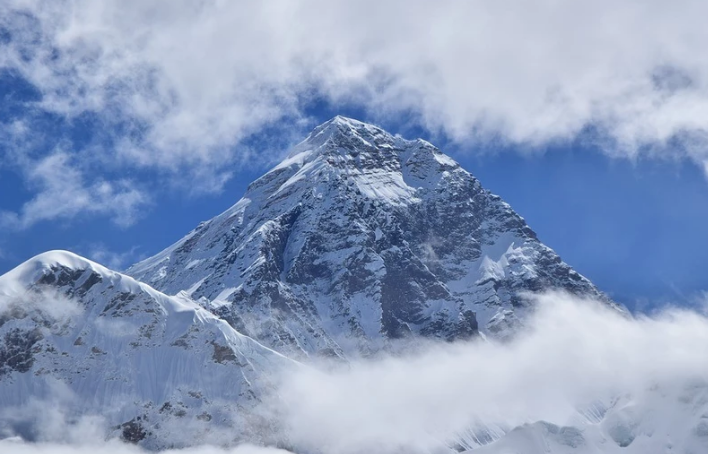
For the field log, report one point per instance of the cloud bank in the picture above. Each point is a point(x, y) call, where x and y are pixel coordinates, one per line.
point(176, 88)
point(582, 378)
point(18, 447)
point(574, 356)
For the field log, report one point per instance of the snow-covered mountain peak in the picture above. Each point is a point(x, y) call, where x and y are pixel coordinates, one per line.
point(346, 155)
point(359, 241)
point(342, 129)
point(57, 269)
point(63, 269)
point(38, 265)
point(359, 237)
point(351, 145)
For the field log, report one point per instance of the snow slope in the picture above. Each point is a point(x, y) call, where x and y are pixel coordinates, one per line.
point(160, 370)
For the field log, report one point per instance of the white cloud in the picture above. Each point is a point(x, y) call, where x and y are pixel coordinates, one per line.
point(576, 354)
point(178, 86)
point(98, 252)
point(19, 447)
point(62, 192)
point(203, 75)
point(48, 304)
point(614, 378)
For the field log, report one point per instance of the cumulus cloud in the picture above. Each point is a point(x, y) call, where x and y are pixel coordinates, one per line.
point(177, 87)
point(202, 75)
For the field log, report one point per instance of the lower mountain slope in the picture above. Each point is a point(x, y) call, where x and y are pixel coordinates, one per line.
point(159, 370)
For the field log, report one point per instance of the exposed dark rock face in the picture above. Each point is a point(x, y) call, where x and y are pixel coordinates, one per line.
point(17, 350)
point(222, 353)
point(133, 431)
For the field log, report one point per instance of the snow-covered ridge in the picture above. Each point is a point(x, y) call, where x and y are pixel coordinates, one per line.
point(40, 266)
point(31, 270)
point(161, 370)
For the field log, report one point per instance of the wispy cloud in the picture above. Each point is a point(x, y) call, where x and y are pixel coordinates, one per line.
point(62, 192)
point(116, 260)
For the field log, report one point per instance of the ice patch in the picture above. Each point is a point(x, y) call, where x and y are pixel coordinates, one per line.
point(388, 187)
point(193, 263)
point(194, 287)
point(222, 298)
point(444, 159)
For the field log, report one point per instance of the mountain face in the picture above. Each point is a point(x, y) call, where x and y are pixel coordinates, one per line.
point(160, 370)
point(359, 237)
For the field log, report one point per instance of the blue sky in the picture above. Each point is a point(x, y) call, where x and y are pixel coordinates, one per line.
point(124, 125)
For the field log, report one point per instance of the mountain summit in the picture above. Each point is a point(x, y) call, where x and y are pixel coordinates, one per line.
point(359, 237)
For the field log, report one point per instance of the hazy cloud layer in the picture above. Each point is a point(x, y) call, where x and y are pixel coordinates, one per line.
point(574, 354)
point(17, 447)
point(175, 87)
point(644, 379)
